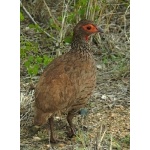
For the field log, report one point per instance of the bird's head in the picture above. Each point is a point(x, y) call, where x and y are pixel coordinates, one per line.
point(85, 28)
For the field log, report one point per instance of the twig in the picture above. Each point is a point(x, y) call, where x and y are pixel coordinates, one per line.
point(50, 147)
point(36, 22)
point(63, 24)
point(100, 136)
point(110, 143)
point(54, 20)
point(125, 25)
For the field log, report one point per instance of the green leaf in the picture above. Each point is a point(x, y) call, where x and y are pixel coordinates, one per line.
point(35, 69)
point(31, 58)
point(36, 27)
point(71, 18)
point(47, 60)
point(27, 64)
point(39, 59)
point(21, 17)
point(82, 12)
point(30, 71)
point(31, 26)
point(68, 39)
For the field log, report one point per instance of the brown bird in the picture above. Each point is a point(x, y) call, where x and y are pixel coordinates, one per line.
point(68, 81)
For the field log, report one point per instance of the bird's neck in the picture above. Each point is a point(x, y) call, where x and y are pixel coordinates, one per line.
point(80, 43)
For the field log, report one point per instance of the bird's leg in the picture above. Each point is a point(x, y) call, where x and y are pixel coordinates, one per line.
point(69, 119)
point(51, 127)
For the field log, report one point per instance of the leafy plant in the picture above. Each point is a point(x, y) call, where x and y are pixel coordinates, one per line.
point(21, 16)
point(126, 140)
point(36, 27)
point(32, 60)
point(83, 138)
point(34, 63)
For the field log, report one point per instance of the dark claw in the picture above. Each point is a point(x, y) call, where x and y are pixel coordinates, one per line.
point(71, 133)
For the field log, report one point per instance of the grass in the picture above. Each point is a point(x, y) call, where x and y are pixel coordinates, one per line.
point(58, 27)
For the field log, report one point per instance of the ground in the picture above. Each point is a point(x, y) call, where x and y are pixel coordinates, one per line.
point(107, 119)
point(107, 122)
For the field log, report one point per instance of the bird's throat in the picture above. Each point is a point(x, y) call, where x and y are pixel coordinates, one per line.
point(86, 38)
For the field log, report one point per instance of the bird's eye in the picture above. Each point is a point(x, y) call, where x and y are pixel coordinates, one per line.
point(88, 27)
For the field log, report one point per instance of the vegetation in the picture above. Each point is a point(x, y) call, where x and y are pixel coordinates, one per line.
point(59, 27)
